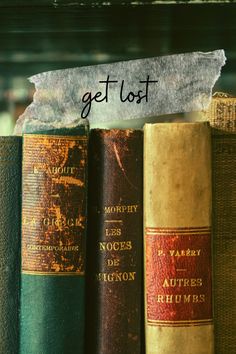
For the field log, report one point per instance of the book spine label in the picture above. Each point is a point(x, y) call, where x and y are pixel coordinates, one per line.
point(10, 219)
point(53, 239)
point(114, 268)
point(177, 240)
point(180, 258)
point(53, 243)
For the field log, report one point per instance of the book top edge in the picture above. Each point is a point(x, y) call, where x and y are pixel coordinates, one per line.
point(115, 130)
point(177, 124)
point(10, 137)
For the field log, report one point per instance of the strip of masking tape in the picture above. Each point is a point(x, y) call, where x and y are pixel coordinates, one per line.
point(123, 90)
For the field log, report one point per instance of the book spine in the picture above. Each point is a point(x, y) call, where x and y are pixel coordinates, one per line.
point(177, 241)
point(222, 116)
point(114, 249)
point(53, 243)
point(10, 191)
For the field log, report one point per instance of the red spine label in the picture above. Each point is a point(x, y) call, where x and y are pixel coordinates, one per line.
point(178, 276)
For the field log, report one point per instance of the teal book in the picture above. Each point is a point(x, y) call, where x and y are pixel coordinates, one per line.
point(10, 221)
point(53, 242)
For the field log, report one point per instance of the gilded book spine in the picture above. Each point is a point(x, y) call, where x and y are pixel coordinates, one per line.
point(53, 243)
point(10, 191)
point(177, 240)
point(222, 117)
point(114, 267)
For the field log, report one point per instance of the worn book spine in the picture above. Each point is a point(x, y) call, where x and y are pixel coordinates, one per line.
point(114, 248)
point(10, 221)
point(222, 117)
point(53, 242)
point(177, 239)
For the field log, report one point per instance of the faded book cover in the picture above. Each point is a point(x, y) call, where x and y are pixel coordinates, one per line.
point(222, 117)
point(114, 243)
point(10, 226)
point(177, 238)
point(53, 242)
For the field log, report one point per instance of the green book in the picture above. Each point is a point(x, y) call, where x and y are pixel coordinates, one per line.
point(53, 242)
point(10, 190)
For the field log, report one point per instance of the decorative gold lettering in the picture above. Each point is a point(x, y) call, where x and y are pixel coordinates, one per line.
point(116, 277)
point(169, 299)
point(63, 222)
point(178, 299)
point(160, 253)
point(185, 282)
point(187, 298)
point(64, 248)
point(113, 232)
point(113, 262)
point(165, 284)
point(54, 170)
point(120, 209)
point(115, 246)
point(184, 253)
point(30, 222)
point(161, 298)
point(202, 298)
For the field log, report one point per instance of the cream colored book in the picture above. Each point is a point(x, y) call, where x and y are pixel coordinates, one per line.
point(177, 238)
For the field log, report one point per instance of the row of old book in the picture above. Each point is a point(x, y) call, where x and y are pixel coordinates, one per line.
point(89, 213)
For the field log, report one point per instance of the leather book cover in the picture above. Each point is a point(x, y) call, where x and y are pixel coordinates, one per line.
point(222, 117)
point(53, 242)
point(177, 239)
point(114, 242)
point(10, 224)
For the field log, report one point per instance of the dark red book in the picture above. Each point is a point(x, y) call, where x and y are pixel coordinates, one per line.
point(114, 242)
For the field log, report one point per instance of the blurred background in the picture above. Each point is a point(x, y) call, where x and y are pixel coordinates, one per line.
point(44, 35)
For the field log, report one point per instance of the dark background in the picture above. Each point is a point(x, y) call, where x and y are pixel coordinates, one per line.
point(43, 35)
